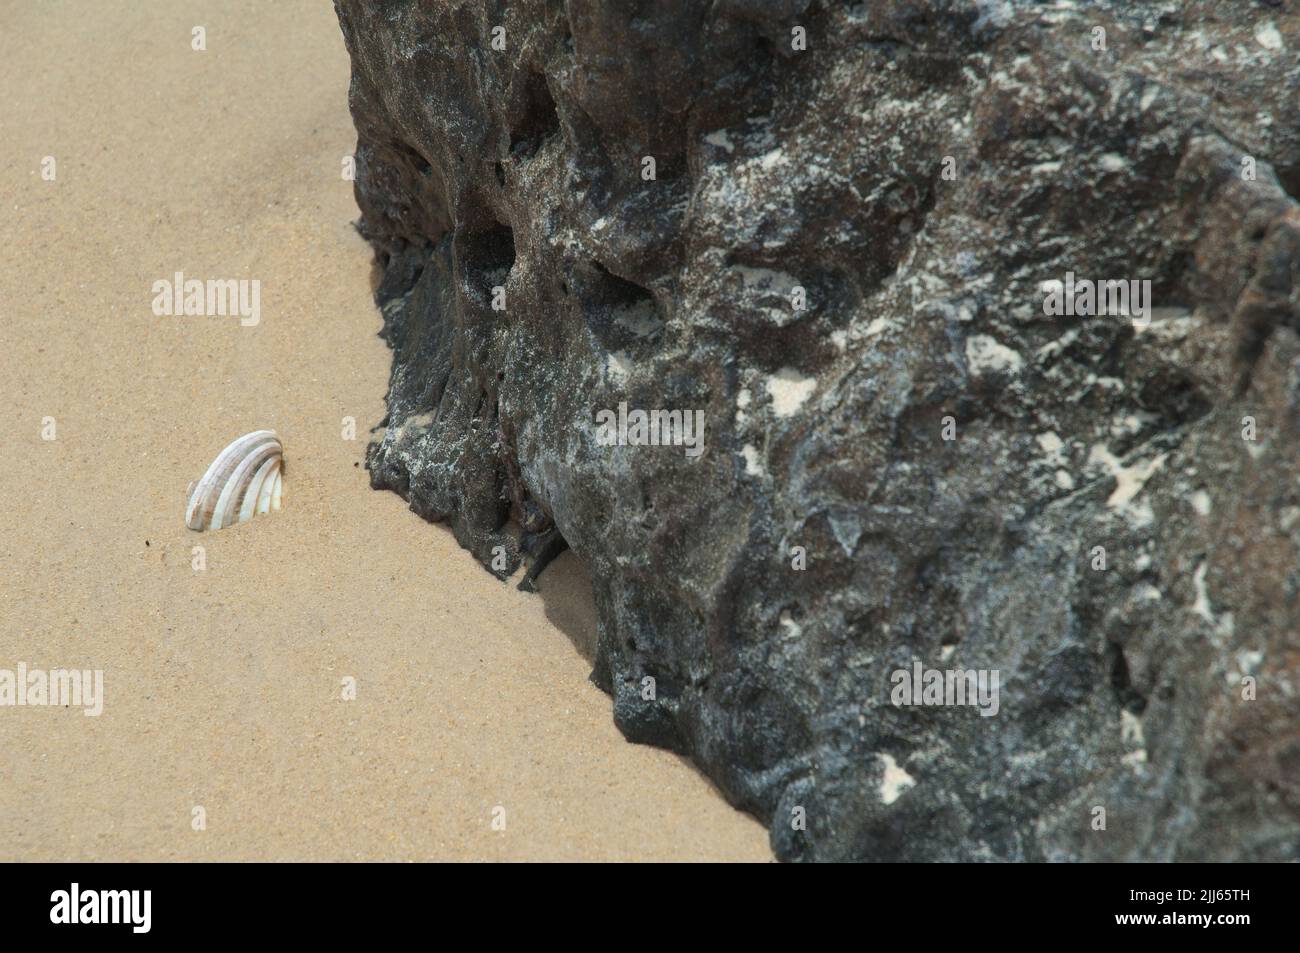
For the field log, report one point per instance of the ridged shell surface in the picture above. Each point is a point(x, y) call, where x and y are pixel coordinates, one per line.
point(244, 480)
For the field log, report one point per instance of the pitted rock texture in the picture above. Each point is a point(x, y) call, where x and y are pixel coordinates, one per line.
point(923, 170)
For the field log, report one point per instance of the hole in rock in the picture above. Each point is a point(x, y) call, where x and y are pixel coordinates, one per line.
point(538, 118)
point(617, 290)
point(619, 313)
point(1289, 178)
point(1121, 682)
point(486, 257)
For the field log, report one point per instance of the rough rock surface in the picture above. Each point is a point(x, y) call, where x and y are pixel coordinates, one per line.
point(825, 169)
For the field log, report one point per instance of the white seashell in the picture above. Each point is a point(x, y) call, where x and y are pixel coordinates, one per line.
point(244, 480)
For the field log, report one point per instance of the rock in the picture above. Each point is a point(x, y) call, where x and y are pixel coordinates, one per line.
point(920, 464)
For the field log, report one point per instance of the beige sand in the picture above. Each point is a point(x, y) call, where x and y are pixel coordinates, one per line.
point(222, 687)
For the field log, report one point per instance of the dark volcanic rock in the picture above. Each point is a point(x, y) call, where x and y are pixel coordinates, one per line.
point(921, 171)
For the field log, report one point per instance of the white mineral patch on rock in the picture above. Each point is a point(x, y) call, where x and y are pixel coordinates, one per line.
point(789, 390)
point(792, 628)
point(895, 780)
point(1113, 162)
point(720, 139)
point(1053, 349)
point(416, 422)
point(985, 355)
point(1145, 592)
point(753, 461)
point(1050, 443)
point(1201, 606)
point(1130, 730)
point(1267, 36)
point(1130, 424)
point(618, 366)
point(743, 399)
point(773, 159)
point(1129, 480)
point(847, 530)
point(1225, 624)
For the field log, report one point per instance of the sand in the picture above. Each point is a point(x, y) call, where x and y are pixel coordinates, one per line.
point(223, 687)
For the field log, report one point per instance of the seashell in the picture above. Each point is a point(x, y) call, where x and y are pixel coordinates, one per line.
point(244, 480)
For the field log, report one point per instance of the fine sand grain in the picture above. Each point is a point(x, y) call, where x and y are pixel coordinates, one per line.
point(223, 687)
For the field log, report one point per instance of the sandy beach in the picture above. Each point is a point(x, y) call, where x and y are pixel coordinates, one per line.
point(223, 687)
